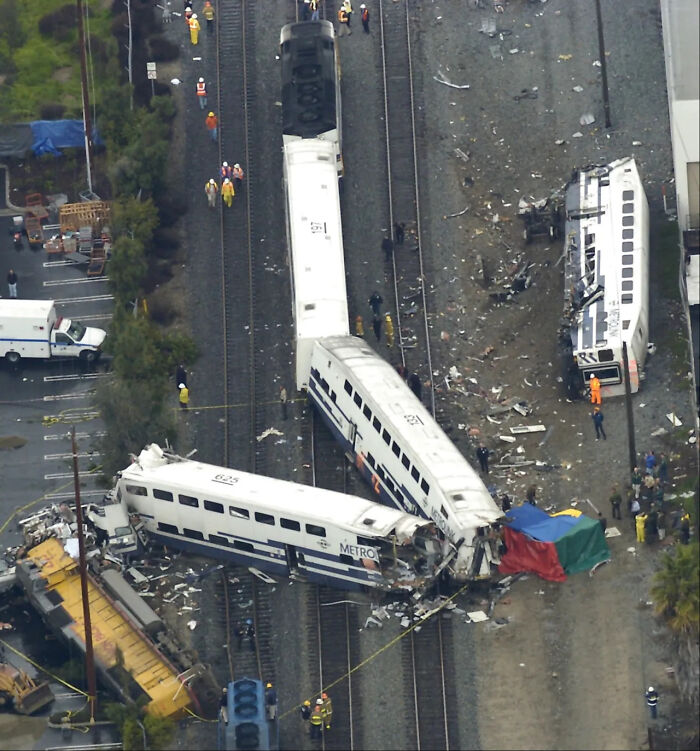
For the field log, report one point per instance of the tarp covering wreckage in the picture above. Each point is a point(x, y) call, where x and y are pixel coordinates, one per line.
point(551, 546)
point(43, 137)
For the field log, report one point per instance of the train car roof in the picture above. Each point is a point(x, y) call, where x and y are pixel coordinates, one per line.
point(316, 240)
point(309, 74)
point(302, 502)
point(607, 246)
point(381, 385)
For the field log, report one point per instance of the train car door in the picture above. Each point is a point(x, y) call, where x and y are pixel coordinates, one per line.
point(295, 559)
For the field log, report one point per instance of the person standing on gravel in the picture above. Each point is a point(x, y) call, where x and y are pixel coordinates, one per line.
point(594, 385)
point(636, 482)
point(208, 12)
point(616, 502)
point(212, 123)
point(482, 454)
point(377, 326)
point(364, 17)
point(212, 191)
point(194, 29)
point(227, 192)
point(238, 175)
point(343, 23)
point(652, 697)
point(598, 418)
point(375, 302)
point(184, 398)
point(388, 247)
point(202, 93)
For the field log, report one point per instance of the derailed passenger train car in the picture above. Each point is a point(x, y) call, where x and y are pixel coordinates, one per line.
point(281, 527)
point(400, 449)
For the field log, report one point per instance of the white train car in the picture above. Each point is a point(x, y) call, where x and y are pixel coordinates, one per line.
point(282, 527)
point(315, 242)
point(607, 273)
point(400, 449)
point(311, 102)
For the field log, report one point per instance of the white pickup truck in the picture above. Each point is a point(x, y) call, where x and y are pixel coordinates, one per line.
point(31, 328)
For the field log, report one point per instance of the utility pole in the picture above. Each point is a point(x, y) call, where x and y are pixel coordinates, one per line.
point(131, 75)
point(603, 63)
point(84, 87)
point(628, 403)
point(89, 655)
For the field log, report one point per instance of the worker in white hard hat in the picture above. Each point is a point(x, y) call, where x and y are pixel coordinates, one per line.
point(364, 17)
point(194, 29)
point(212, 191)
point(237, 174)
point(202, 93)
point(225, 171)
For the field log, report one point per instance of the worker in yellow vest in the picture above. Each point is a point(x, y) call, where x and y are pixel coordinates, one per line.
point(227, 192)
point(389, 326)
point(316, 721)
point(194, 29)
point(212, 191)
point(184, 396)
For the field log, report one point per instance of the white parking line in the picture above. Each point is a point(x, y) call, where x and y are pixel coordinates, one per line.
point(71, 496)
point(60, 397)
point(66, 475)
point(96, 317)
point(83, 455)
point(75, 377)
point(78, 436)
point(65, 262)
point(73, 417)
point(90, 298)
point(63, 282)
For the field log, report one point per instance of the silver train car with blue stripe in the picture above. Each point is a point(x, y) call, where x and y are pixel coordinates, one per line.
point(281, 527)
point(401, 451)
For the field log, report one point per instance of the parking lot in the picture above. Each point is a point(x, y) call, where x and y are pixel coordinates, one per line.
point(42, 400)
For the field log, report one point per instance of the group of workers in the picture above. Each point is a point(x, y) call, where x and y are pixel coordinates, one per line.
point(231, 181)
point(319, 717)
point(192, 20)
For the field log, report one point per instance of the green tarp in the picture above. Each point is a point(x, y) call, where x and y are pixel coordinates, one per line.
point(582, 547)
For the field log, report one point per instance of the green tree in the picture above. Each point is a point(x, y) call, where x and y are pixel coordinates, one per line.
point(675, 591)
point(135, 343)
point(127, 269)
point(135, 218)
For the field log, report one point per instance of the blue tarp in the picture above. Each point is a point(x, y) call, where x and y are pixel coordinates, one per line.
point(533, 522)
point(52, 135)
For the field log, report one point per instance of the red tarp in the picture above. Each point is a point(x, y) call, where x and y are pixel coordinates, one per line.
point(526, 554)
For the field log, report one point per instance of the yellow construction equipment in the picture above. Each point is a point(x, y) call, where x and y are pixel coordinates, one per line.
point(18, 690)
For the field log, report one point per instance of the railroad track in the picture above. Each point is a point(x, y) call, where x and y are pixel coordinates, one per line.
point(424, 652)
point(331, 618)
point(406, 264)
point(235, 95)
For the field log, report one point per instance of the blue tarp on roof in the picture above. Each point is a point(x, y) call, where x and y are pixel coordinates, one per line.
point(52, 135)
point(533, 522)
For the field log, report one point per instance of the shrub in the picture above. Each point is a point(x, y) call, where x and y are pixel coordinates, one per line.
point(60, 24)
point(166, 241)
point(51, 111)
point(162, 50)
point(170, 209)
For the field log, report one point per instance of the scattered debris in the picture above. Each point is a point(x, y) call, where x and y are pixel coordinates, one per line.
point(476, 616)
point(261, 575)
point(507, 438)
point(266, 433)
point(440, 78)
point(674, 420)
point(598, 565)
point(612, 532)
point(191, 625)
point(587, 118)
point(517, 429)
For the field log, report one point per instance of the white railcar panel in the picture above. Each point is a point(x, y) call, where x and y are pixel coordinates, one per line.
point(315, 248)
point(312, 505)
point(411, 425)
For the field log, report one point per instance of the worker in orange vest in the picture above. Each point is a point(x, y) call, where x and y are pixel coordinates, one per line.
point(202, 93)
point(343, 22)
point(212, 123)
point(208, 12)
point(594, 385)
point(238, 176)
point(225, 171)
point(212, 190)
point(194, 29)
point(227, 192)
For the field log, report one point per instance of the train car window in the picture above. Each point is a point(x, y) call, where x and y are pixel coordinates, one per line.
point(136, 490)
point(290, 524)
point(628, 221)
point(627, 286)
point(425, 487)
point(625, 325)
point(163, 527)
point(194, 534)
point(380, 472)
point(357, 399)
point(214, 506)
point(188, 500)
point(628, 260)
point(627, 208)
point(589, 239)
point(264, 518)
point(241, 513)
point(443, 511)
point(605, 355)
point(367, 412)
point(377, 425)
point(627, 299)
point(627, 234)
point(396, 449)
point(347, 559)
point(386, 436)
point(366, 541)
point(333, 397)
point(389, 484)
point(218, 540)
point(243, 546)
point(626, 273)
point(370, 460)
point(458, 497)
point(315, 374)
point(162, 495)
point(348, 387)
point(406, 461)
point(314, 529)
point(627, 246)
point(399, 495)
point(415, 474)
point(627, 195)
